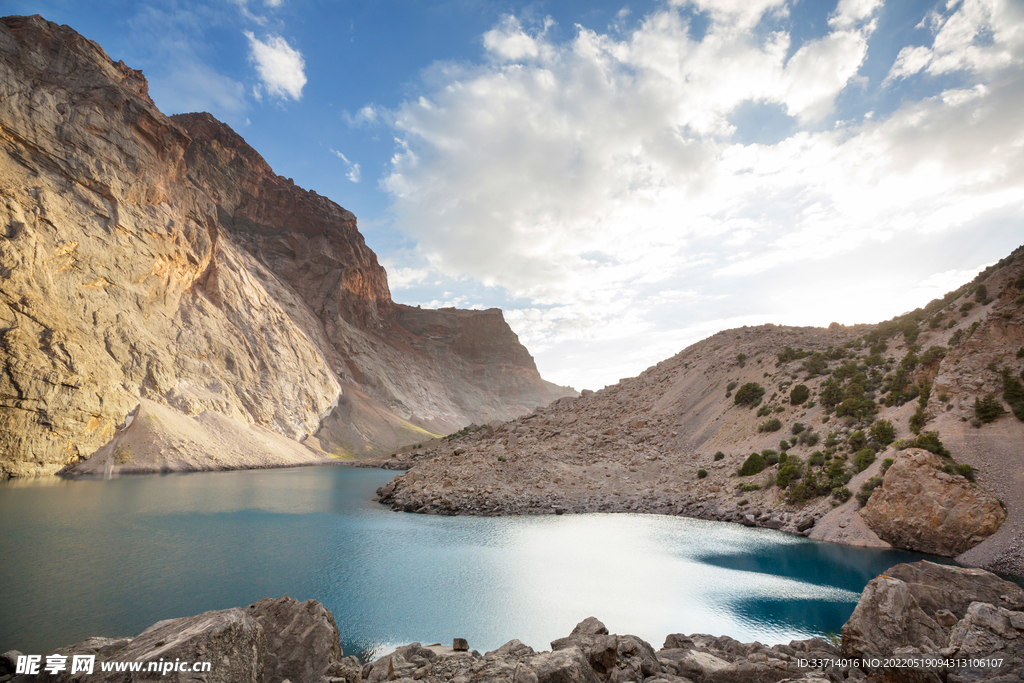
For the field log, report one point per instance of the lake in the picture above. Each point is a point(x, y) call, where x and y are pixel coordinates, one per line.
point(89, 557)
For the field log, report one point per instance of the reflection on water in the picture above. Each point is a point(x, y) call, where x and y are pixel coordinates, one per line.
point(89, 557)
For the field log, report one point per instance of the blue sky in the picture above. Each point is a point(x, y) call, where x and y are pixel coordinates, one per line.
point(622, 179)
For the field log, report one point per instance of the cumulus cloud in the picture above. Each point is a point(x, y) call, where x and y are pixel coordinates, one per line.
point(980, 36)
point(281, 67)
point(590, 177)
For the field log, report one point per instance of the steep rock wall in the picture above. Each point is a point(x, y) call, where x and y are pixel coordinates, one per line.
point(143, 258)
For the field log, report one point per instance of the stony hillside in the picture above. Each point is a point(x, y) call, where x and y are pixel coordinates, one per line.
point(159, 265)
point(914, 416)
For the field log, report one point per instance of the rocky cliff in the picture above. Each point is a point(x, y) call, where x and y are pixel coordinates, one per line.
point(787, 428)
point(156, 267)
point(919, 622)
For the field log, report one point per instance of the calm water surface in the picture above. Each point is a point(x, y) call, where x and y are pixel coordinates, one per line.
point(85, 557)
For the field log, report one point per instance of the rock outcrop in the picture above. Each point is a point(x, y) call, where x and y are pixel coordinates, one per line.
point(926, 610)
point(920, 507)
point(147, 258)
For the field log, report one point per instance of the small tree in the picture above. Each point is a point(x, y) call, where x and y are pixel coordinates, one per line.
point(863, 459)
point(988, 409)
point(799, 394)
point(749, 395)
point(883, 432)
point(752, 465)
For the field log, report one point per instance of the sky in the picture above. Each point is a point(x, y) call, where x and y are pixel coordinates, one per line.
point(622, 179)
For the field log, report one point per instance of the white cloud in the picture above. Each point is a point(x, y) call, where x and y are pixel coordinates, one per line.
point(273, 3)
point(980, 36)
point(353, 169)
point(849, 13)
point(281, 67)
point(599, 178)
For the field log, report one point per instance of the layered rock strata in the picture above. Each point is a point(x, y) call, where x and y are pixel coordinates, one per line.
point(147, 258)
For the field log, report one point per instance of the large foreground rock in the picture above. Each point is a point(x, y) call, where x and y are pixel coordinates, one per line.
point(302, 638)
point(920, 507)
point(929, 610)
point(268, 642)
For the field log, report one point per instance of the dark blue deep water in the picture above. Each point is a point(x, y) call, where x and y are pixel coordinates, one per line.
point(83, 557)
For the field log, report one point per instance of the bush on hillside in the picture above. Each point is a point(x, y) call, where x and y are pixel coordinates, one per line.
point(883, 432)
point(988, 409)
point(749, 394)
point(799, 394)
point(772, 425)
point(863, 459)
point(752, 465)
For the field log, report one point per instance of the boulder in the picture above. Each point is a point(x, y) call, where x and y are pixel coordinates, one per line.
point(886, 618)
point(920, 507)
point(562, 666)
point(302, 639)
point(231, 640)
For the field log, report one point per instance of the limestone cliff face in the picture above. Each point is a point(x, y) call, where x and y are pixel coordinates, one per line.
point(143, 258)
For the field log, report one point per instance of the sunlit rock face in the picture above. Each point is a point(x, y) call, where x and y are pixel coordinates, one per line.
point(160, 259)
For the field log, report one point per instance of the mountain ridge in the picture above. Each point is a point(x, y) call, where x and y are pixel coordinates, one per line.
point(152, 263)
point(848, 402)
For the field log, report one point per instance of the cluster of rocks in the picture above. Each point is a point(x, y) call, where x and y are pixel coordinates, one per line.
point(912, 612)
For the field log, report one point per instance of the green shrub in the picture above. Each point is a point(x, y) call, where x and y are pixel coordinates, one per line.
point(867, 488)
point(701, 473)
point(754, 464)
point(747, 488)
point(918, 420)
point(966, 308)
point(883, 432)
point(886, 464)
point(817, 458)
point(731, 385)
point(719, 456)
point(784, 446)
point(808, 438)
point(797, 427)
point(857, 440)
point(988, 409)
point(772, 425)
point(1013, 393)
point(741, 358)
point(779, 409)
point(841, 493)
point(749, 394)
point(770, 457)
point(863, 459)
point(929, 441)
point(789, 472)
point(799, 394)
point(981, 293)
point(764, 410)
point(790, 354)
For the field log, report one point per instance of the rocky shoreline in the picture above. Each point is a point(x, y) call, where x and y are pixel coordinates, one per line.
point(920, 622)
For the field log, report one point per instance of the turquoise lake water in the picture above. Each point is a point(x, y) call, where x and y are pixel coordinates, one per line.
point(86, 557)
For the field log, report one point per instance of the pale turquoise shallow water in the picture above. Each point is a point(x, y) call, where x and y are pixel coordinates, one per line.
point(83, 557)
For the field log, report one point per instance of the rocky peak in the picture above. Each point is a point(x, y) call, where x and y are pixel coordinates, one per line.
point(157, 268)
